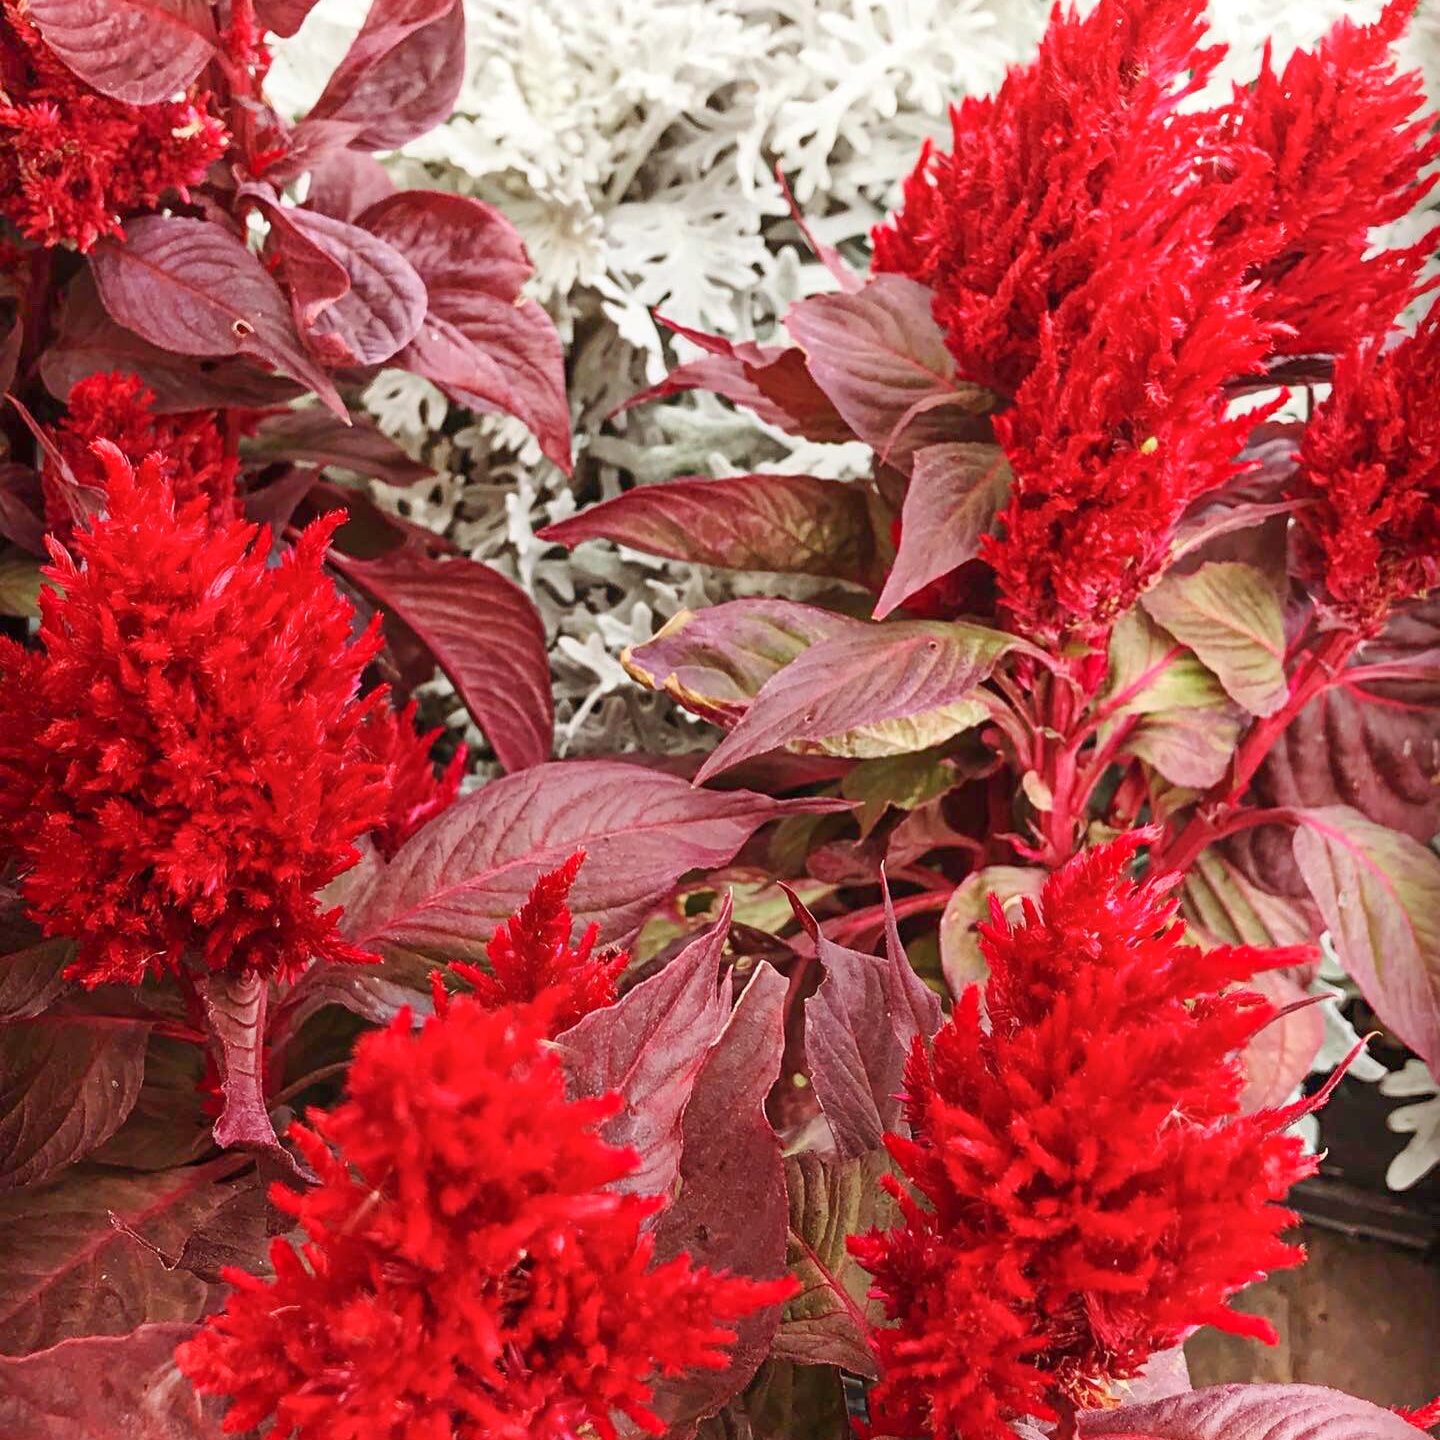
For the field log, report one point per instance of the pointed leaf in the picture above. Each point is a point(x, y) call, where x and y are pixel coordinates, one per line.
point(138, 51)
point(1229, 615)
point(1279, 1057)
point(314, 436)
point(881, 358)
point(1379, 892)
point(190, 287)
point(954, 495)
point(485, 634)
point(106, 1387)
point(880, 690)
point(31, 967)
point(715, 661)
point(1218, 897)
point(649, 1048)
point(168, 1125)
point(785, 524)
point(1250, 1412)
point(448, 888)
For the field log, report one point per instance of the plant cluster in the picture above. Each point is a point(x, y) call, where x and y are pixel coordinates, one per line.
point(929, 1078)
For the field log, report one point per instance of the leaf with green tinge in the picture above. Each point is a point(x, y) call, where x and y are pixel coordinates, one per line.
point(715, 661)
point(901, 781)
point(1219, 898)
point(969, 904)
point(1229, 615)
point(955, 493)
point(880, 690)
point(830, 1200)
point(1379, 892)
point(19, 586)
point(784, 524)
point(784, 1402)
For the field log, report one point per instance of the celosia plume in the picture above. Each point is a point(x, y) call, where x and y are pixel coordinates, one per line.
point(530, 956)
point(193, 772)
point(73, 162)
point(469, 1273)
point(417, 794)
point(1081, 1189)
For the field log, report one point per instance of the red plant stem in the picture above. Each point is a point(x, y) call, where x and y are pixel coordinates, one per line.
point(860, 921)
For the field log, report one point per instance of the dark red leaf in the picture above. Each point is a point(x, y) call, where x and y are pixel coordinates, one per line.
point(954, 495)
point(20, 521)
point(649, 1048)
point(192, 288)
point(168, 1126)
point(848, 279)
point(482, 342)
point(10, 353)
point(65, 1087)
point(31, 967)
point(401, 74)
point(68, 1267)
point(343, 183)
point(882, 360)
point(313, 436)
point(110, 1387)
point(731, 1213)
point(138, 51)
point(282, 17)
point(787, 524)
point(448, 888)
point(484, 633)
point(1279, 1057)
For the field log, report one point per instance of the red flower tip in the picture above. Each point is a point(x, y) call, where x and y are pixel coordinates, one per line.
point(1081, 1189)
point(193, 772)
point(468, 1270)
point(531, 956)
point(417, 794)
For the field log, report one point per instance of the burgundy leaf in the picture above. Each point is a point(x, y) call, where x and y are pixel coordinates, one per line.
point(68, 1267)
point(1379, 892)
point(343, 183)
point(192, 288)
point(65, 1087)
point(1232, 910)
point(20, 521)
point(860, 1026)
point(484, 633)
point(401, 74)
point(881, 690)
point(787, 524)
point(282, 17)
point(313, 436)
point(1280, 1056)
point(31, 967)
point(882, 360)
point(235, 1014)
point(482, 341)
point(106, 1387)
point(954, 495)
point(649, 1048)
point(731, 1212)
point(275, 505)
point(848, 279)
point(314, 277)
point(449, 887)
point(1250, 1412)
point(168, 1125)
point(10, 353)
point(715, 661)
point(138, 51)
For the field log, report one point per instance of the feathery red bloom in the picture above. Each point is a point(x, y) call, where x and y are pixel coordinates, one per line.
point(417, 794)
point(1339, 126)
point(195, 774)
point(197, 454)
point(73, 162)
point(469, 1274)
point(1081, 1187)
point(530, 956)
point(1370, 463)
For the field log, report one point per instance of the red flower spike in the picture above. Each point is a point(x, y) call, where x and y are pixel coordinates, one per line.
point(196, 454)
point(1370, 463)
point(1082, 1189)
point(417, 794)
point(73, 162)
point(531, 957)
point(468, 1273)
point(195, 774)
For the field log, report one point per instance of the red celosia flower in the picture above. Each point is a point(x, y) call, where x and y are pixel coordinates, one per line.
point(1339, 126)
point(1082, 1189)
point(1370, 463)
point(469, 1274)
point(73, 162)
point(531, 957)
point(195, 774)
point(417, 795)
point(196, 448)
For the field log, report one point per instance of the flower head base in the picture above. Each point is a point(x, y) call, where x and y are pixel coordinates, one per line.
point(417, 794)
point(196, 449)
point(194, 773)
point(469, 1274)
point(73, 162)
point(531, 957)
point(1082, 1189)
point(1370, 465)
